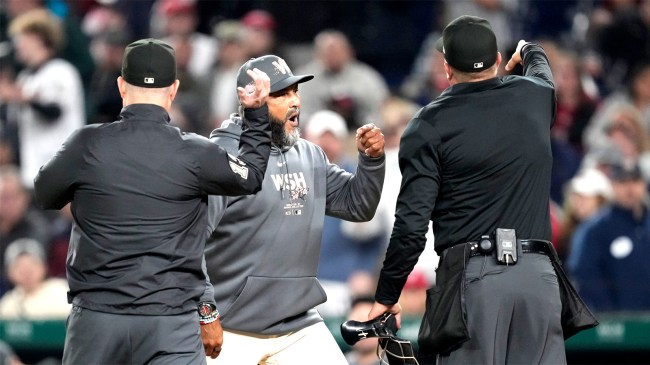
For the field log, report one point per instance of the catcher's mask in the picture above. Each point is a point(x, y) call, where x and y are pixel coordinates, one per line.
point(391, 350)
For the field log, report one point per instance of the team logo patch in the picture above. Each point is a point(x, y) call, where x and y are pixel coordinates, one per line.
point(299, 193)
point(281, 67)
point(238, 166)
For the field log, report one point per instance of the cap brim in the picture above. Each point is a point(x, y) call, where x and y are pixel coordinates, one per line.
point(440, 45)
point(290, 81)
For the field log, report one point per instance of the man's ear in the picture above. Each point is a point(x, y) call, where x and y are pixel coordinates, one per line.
point(121, 86)
point(174, 89)
point(449, 71)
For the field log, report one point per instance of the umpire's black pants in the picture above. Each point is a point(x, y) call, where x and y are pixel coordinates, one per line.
point(513, 313)
point(106, 338)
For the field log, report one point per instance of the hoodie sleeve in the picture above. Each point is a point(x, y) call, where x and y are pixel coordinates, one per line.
point(208, 293)
point(355, 197)
point(224, 174)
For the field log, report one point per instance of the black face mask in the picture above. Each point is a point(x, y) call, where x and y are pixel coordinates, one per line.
point(396, 351)
point(391, 350)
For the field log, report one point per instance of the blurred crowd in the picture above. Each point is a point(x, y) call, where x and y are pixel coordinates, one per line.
point(373, 62)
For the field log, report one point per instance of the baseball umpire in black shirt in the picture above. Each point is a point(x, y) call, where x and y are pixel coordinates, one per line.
point(476, 162)
point(139, 190)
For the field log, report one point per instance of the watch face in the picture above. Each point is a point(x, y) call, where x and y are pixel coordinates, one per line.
point(205, 310)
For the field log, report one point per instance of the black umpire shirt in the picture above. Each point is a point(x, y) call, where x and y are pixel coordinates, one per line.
point(476, 158)
point(139, 189)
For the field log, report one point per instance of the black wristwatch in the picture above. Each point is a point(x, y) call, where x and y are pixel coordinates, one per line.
point(208, 312)
point(206, 309)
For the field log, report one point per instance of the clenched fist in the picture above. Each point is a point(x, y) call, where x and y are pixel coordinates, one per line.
point(370, 140)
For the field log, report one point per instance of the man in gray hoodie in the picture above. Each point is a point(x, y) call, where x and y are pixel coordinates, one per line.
point(263, 250)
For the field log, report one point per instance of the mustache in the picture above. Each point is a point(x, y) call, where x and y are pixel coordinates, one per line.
point(279, 135)
point(293, 112)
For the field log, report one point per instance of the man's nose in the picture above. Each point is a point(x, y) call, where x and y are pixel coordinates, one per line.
point(295, 100)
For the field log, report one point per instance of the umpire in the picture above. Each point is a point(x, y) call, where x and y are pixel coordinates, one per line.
point(476, 161)
point(139, 189)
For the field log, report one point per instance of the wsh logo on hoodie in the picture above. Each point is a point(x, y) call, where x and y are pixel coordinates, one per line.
point(296, 185)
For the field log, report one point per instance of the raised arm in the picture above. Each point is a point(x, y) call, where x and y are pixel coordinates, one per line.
point(246, 170)
point(534, 61)
point(355, 197)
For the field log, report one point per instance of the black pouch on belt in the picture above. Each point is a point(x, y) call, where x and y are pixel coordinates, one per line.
point(444, 324)
point(576, 316)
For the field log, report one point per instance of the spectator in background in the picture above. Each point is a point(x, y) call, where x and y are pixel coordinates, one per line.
point(395, 115)
point(347, 248)
point(190, 109)
point(626, 133)
point(635, 94)
point(585, 195)
point(47, 97)
point(572, 114)
point(17, 218)
point(109, 32)
point(9, 144)
point(566, 163)
point(260, 29)
point(575, 106)
point(342, 83)
point(108, 50)
point(623, 40)
point(422, 86)
point(34, 296)
point(231, 37)
point(75, 49)
point(178, 18)
point(104, 17)
point(6, 151)
point(610, 270)
point(414, 294)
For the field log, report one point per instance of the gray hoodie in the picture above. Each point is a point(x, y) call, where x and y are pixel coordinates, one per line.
point(263, 250)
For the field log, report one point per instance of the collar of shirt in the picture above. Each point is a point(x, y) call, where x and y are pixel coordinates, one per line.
point(144, 112)
point(471, 87)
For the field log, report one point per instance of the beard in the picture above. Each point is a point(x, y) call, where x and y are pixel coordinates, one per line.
point(279, 135)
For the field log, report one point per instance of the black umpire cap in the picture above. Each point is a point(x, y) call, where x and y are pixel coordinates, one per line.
point(469, 44)
point(149, 63)
point(277, 70)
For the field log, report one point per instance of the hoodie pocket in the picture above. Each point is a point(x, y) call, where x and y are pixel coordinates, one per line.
point(265, 302)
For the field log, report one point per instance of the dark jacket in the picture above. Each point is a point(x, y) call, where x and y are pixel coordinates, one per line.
point(476, 158)
point(608, 261)
point(139, 189)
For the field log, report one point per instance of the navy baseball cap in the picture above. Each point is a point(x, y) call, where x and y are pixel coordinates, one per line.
point(277, 70)
point(468, 44)
point(149, 63)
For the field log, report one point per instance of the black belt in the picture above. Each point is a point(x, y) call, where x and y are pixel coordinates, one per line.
point(527, 246)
